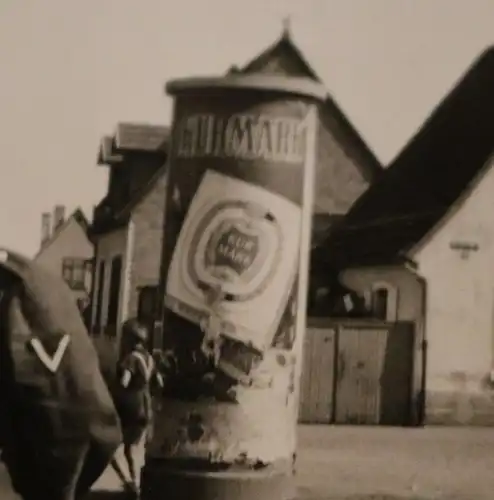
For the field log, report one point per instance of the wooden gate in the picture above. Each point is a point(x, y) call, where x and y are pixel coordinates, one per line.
point(357, 373)
point(316, 404)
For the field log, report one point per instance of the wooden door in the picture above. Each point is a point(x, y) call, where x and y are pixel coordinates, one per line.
point(360, 362)
point(317, 379)
point(397, 375)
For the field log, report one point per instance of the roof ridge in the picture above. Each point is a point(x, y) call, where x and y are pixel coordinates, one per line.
point(80, 218)
point(443, 161)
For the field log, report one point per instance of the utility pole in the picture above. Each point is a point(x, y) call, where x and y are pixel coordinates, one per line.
point(234, 285)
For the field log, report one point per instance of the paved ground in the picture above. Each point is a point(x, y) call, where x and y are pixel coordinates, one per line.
point(364, 463)
point(377, 463)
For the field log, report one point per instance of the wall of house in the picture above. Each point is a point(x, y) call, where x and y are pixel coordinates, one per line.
point(107, 246)
point(339, 181)
point(406, 293)
point(460, 312)
point(147, 217)
point(72, 241)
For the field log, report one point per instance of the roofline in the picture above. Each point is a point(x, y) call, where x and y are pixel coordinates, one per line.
point(110, 227)
point(143, 191)
point(84, 224)
point(405, 264)
point(110, 151)
point(285, 37)
point(454, 208)
point(106, 154)
point(373, 167)
point(330, 105)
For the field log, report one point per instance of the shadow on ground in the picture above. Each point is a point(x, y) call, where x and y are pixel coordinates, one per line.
point(109, 495)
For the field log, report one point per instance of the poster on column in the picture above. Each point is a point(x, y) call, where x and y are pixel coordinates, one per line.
point(243, 240)
point(233, 222)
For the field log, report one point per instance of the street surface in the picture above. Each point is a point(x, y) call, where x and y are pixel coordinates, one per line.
point(378, 463)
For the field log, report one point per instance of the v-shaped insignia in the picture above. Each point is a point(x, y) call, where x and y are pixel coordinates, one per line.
point(50, 362)
point(147, 366)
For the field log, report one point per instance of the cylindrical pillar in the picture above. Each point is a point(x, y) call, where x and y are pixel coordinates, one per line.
point(234, 285)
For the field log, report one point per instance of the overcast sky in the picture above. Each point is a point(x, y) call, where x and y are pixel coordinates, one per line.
point(71, 69)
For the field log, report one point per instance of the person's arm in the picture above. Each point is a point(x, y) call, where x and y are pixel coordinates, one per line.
point(159, 379)
point(126, 377)
point(128, 369)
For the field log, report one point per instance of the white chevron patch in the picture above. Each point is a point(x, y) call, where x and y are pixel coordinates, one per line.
point(147, 367)
point(50, 362)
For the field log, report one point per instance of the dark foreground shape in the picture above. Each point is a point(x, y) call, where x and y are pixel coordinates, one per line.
point(58, 425)
point(109, 495)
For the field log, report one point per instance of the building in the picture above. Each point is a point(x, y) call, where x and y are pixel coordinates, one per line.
point(345, 168)
point(127, 227)
point(419, 246)
point(66, 250)
point(345, 165)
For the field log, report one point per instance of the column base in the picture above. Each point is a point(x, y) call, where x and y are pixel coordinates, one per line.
point(160, 482)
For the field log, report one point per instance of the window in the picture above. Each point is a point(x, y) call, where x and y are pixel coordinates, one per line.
point(114, 295)
point(384, 301)
point(99, 297)
point(380, 303)
point(76, 272)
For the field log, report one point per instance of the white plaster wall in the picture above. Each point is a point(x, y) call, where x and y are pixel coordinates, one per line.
point(71, 242)
point(460, 298)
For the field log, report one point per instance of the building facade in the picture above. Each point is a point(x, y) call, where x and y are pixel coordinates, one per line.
point(67, 251)
point(345, 169)
point(127, 230)
point(419, 245)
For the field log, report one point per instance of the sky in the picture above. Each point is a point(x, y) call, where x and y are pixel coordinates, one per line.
point(71, 69)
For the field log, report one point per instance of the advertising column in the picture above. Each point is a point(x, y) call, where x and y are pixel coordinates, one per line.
point(234, 284)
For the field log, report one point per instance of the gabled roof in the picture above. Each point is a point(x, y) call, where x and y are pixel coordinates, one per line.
point(142, 137)
point(348, 137)
point(122, 215)
point(321, 224)
point(142, 192)
point(77, 216)
point(429, 177)
point(129, 138)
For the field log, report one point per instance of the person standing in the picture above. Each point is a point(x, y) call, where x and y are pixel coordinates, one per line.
point(136, 374)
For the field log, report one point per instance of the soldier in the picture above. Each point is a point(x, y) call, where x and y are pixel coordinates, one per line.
point(136, 373)
point(59, 427)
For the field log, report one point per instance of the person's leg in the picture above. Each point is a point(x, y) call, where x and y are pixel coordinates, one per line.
point(129, 457)
point(118, 471)
point(95, 463)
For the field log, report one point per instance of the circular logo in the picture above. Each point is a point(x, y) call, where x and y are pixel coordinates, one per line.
point(235, 246)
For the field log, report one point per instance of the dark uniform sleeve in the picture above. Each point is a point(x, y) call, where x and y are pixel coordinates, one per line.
point(62, 426)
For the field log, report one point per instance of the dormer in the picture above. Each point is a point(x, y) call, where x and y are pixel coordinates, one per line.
point(133, 155)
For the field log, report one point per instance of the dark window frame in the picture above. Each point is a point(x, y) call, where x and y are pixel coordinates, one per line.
point(114, 291)
point(76, 271)
point(100, 288)
point(380, 303)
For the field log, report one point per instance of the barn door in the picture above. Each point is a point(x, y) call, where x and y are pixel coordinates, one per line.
point(397, 375)
point(374, 375)
point(360, 362)
point(317, 380)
